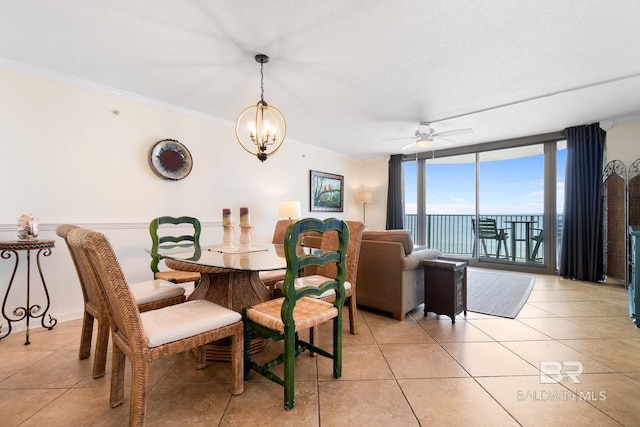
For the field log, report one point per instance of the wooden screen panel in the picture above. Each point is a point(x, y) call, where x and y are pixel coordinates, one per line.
point(634, 193)
point(615, 223)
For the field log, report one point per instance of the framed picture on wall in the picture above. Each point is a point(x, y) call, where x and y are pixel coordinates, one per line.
point(326, 192)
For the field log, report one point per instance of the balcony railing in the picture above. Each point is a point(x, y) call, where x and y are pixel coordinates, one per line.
point(453, 234)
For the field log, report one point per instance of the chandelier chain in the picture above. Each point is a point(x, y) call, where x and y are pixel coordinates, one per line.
point(262, 82)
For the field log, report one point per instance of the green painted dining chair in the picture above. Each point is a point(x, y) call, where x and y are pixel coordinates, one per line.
point(283, 318)
point(163, 232)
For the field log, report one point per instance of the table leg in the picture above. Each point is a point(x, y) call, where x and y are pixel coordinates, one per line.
point(21, 312)
point(513, 241)
point(28, 311)
point(234, 290)
point(527, 244)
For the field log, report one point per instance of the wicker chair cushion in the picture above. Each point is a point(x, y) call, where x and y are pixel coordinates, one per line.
point(315, 281)
point(272, 275)
point(178, 276)
point(154, 290)
point(185, 320)
point(308, 312)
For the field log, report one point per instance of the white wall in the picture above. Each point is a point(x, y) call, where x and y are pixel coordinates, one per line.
point(67, 158)
point(623, 142)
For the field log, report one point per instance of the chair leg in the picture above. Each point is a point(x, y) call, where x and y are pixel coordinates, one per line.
point(337, 346)
point(534, 252)
point(117, 376)
point(484, 246)
point(102, 347)
point(353, 314)
point(506, 248)
point(85, 337)
point(247, 349)
point(201, 357)
point(289, 369)
point(237, 361)
point(139, 384)
point(314, 339)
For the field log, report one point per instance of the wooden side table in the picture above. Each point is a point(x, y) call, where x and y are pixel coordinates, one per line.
point(445, 287)
point(29, 311)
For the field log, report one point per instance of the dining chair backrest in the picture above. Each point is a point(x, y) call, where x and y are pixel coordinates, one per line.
point(280, 230)
point(487, 228)
point(96, 256)
point(333, 260)
point(330, 242)
point(161, 239)
point(90, 292)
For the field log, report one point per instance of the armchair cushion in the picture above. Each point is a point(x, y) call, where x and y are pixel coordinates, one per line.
point(401, 236)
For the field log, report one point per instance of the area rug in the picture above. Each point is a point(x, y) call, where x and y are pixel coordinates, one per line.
point(497, 293)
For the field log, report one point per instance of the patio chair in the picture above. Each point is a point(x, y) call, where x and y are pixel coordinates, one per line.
point(538, 239)
point(488, 230)
point(155, 334)
point(283, 318)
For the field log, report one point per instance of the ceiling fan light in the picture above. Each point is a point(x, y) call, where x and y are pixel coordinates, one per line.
point(424, 142)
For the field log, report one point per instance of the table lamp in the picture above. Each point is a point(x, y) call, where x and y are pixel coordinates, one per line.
point(289, 209)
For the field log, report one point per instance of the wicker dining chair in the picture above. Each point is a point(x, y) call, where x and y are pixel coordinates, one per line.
point(271, 277)
point(161, 239)
point(149, 295)
point(155, 334)
point(283, 318)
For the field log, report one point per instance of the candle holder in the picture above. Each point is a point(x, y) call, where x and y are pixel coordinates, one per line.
point(245, 236)
point(27, 227)
point(227, 237)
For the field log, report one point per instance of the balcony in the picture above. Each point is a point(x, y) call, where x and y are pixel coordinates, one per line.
point(453, 234)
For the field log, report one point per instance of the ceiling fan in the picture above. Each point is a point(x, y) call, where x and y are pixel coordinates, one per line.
point(425, 136)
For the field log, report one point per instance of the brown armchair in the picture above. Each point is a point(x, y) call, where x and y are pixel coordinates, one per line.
point(390, 272)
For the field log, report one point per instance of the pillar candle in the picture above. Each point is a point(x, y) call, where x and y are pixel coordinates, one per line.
point(226, 216)
point(244, 216)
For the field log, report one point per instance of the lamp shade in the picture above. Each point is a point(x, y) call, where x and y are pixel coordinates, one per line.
point(365, 197)
point(289, 209)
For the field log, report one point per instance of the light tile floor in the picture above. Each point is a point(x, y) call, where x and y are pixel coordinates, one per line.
point(422, 371)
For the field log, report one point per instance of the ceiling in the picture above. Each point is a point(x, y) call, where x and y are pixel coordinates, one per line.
point(348, 74)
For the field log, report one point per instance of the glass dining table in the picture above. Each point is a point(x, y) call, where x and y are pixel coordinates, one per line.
point(230, 277)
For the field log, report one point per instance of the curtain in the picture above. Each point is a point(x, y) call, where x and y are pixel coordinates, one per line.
point(581, 254)
point(395, 194)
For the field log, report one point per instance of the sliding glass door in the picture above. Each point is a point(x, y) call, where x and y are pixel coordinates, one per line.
point(511, 204)
point(497, 205)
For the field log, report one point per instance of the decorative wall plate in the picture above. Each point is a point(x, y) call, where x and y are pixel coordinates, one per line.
point(169, 159)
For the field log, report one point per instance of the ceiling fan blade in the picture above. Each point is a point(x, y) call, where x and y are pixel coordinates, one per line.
point(408, 145)
point(397, 139)
point(443, 141)
point(454, 132)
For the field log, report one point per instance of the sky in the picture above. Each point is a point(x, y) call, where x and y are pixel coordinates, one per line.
point(507, 186)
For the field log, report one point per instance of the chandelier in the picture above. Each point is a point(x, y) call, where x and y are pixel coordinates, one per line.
point(261, 128)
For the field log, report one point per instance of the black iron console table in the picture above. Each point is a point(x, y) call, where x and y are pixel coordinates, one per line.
point(29, 311)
